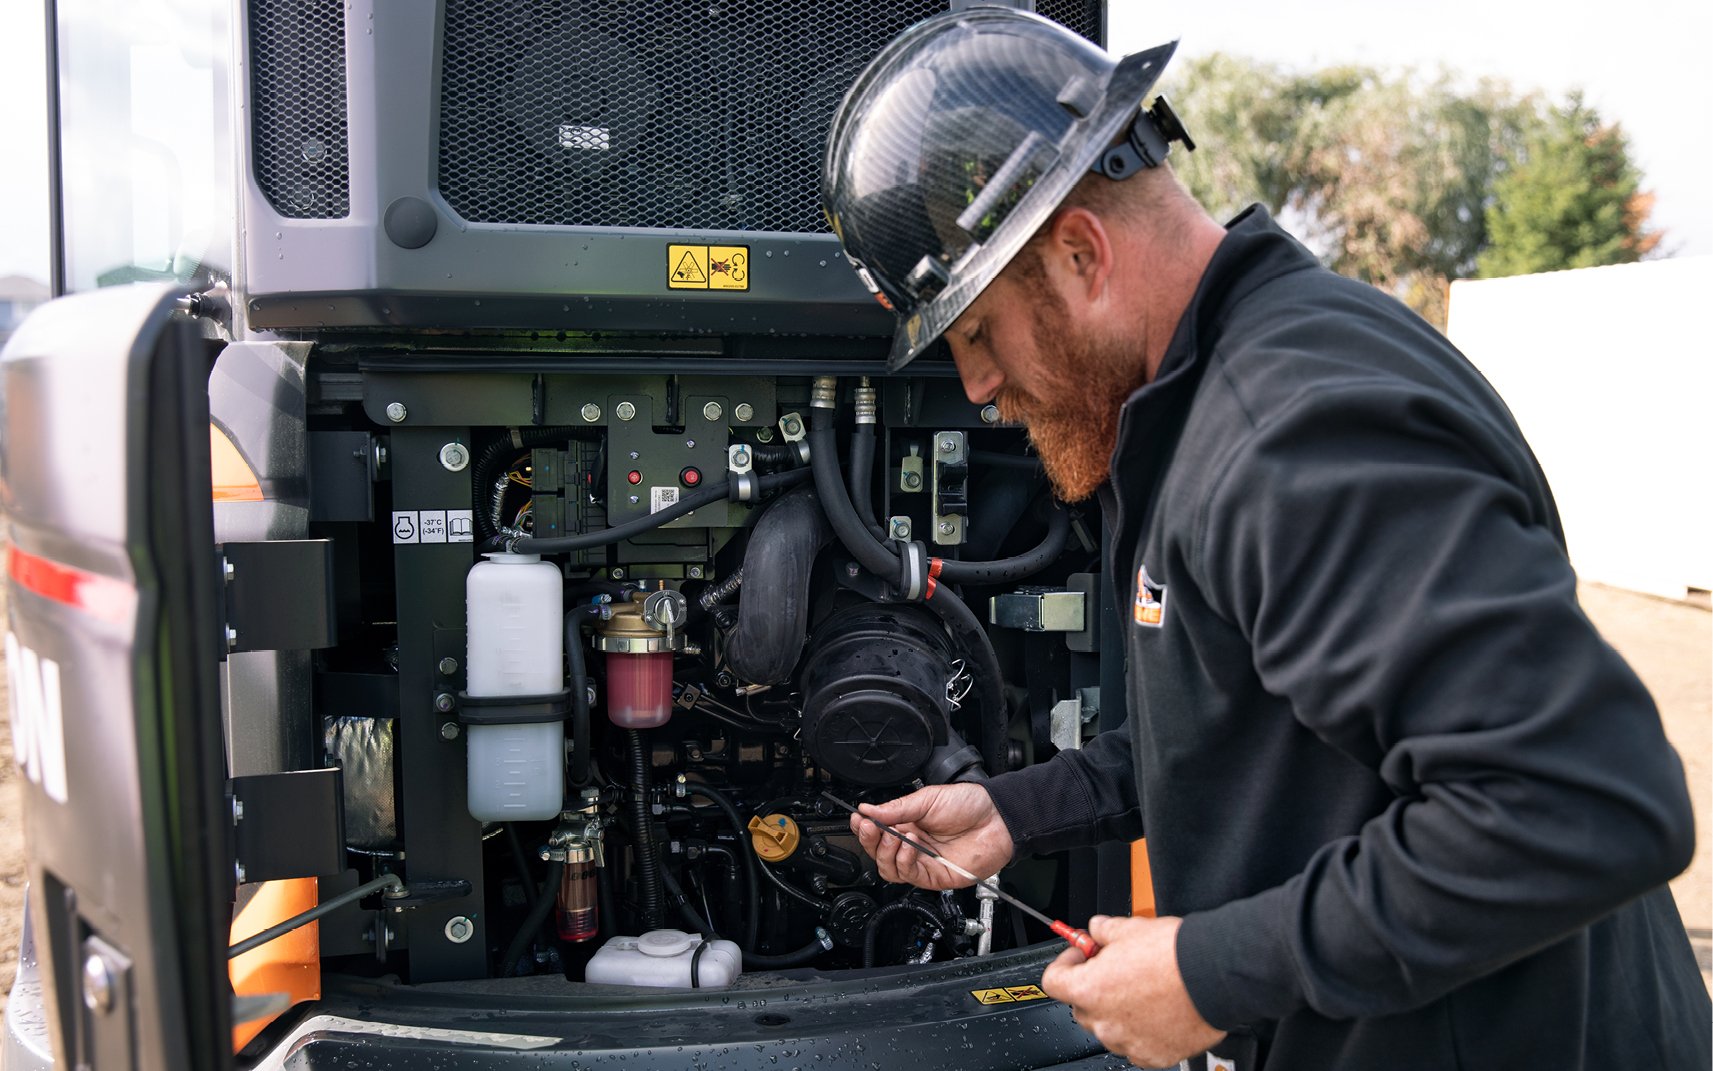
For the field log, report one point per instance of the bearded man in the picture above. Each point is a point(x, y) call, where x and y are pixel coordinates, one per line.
point(1404, 808)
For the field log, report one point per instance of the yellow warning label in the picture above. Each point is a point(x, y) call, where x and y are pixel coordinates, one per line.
point(1011, 994)
point(687, 267)
point(728, 267)
point(707, 267)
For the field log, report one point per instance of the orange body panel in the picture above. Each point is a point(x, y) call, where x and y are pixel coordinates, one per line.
point(290, 964)
point(1141, 880)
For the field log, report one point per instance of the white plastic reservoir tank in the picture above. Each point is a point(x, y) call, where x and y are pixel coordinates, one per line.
point(515, 620)
point(664, 958)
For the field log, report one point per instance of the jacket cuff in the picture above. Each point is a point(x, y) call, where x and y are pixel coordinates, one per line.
point(1041, 804)
point(1236, 962)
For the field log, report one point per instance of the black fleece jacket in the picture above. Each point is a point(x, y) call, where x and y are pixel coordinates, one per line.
point(1414, 811)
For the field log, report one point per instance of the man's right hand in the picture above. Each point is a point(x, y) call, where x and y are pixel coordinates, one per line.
point(957, 820)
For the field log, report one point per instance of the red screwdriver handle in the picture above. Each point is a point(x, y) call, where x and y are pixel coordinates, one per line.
point(1077, 939)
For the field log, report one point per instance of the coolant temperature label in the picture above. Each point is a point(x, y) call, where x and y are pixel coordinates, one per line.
point(433, 526)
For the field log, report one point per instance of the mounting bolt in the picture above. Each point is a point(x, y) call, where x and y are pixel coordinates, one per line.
point(231, 638)
point(623, 410)
point(900, 528)
point(712, 411)
point(618, 573)
point(97, 985)
point(449, 730)
point(237, 809)
point(990, 414)
point(238, 872)
point(744, 411)
point(591, 412)
point(445, 703)
point(454, 457)
point(448, 665)
point(460, 928)
point(792, 425)
point(948, 444)
point(912, 480)
point(764, 435)
point(635, 500)
point(228, 569)
point(396, 412)
point(946, 527)
point(695, 572)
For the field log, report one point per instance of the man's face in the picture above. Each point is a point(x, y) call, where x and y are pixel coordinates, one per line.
point(1020, 346)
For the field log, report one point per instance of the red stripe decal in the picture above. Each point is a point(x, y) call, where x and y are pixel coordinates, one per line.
point(101, 596)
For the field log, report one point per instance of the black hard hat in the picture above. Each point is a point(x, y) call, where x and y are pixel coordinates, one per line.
point(960, 139)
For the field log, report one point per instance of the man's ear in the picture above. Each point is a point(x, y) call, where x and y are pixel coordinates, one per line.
point(1079, 253)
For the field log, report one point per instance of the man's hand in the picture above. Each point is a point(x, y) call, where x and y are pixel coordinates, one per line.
point(959, 820)
point(1131, 995)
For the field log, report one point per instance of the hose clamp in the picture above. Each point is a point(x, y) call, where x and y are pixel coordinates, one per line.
point(743, 486)
point(913, 571)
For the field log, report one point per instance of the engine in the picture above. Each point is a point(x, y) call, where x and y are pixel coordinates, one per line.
point(699, 612)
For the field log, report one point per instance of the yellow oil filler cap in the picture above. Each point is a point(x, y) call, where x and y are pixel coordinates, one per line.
point(774, 837)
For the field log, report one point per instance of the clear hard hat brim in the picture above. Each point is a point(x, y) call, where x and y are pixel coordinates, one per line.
point(1132, 79)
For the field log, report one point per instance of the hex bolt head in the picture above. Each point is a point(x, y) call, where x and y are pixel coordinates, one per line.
point(792, 425)
point(459, 929)
point(454, 457)
point(97, 985)
point(623, 410)
point(912, 480)
point(695, 572)
point(396, 412)
point(449, 730)
point(900, 530)
point(744, 411)
point(764, 435)
point(445, 703)
point(990, 414)
point(591, 412)
point(948, 444)
point(946, 527)
point(448, 665)
point(712, 411)
point(618, 573)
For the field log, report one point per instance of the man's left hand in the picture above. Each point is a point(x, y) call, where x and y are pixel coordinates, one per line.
point(1131, 995)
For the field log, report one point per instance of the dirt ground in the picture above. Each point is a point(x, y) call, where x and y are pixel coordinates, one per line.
point(1669, 643)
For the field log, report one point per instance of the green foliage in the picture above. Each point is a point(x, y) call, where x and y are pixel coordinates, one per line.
point(1392, 178)
point(1571, 202)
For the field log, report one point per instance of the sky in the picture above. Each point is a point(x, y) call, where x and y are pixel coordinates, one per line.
point(1634, 62)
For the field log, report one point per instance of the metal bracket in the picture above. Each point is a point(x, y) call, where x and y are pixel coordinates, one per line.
point(288, 825)
point(278, 594)
point(951, 474)
point(1039, 610)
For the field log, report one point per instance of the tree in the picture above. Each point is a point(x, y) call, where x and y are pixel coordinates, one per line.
point(1574, 200)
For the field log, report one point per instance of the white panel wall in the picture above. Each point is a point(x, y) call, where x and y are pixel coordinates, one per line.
point(1610, 374)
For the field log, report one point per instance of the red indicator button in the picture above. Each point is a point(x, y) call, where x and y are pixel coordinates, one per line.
point(634, 477)
point(690, 477)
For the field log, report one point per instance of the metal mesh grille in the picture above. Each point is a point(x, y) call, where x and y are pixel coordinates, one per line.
point(654, 113)
point(1083, 16)
point(298, 132)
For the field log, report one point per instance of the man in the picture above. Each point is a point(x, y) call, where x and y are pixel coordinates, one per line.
point(1404, 808)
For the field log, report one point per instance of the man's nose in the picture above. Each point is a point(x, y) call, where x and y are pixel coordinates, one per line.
point(981, 377)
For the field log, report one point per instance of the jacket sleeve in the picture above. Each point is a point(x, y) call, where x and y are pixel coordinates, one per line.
point(1394, 559)
point(1076, 799)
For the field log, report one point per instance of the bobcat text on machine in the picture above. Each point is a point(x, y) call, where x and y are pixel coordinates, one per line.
point(423, 508)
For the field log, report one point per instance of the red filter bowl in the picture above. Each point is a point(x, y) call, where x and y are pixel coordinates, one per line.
point(639, 689)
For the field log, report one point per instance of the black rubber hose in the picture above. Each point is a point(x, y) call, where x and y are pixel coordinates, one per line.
point(875, 556)
point(733, 883)
point(871, 932)
point(775, 455)
point(807, 899)
point(704, 497)
point(773, 622)
point(532, 922)
point(1022, 565)
point(642, 844)
point(862, 478)
point(582, 744)
point(797, 957)
point(685, 911)
point(483, 472)
point(752, 883)
point(973, 640)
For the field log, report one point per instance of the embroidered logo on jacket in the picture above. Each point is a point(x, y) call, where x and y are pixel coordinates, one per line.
point(1150, 608)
